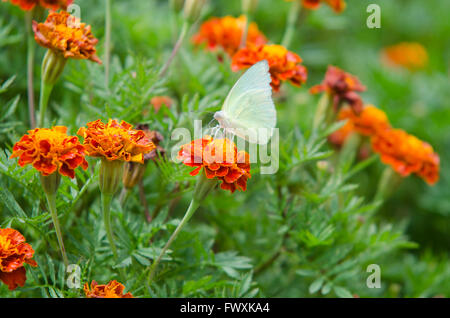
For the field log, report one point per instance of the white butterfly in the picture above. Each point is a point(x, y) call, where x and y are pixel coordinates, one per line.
point(249, 111)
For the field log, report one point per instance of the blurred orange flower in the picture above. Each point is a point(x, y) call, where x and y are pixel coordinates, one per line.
point(114, 141)
point(220, 159)
point(64, 34)
point(159, 101)
point(226, 33)
point(337, 5)
point(407, 154)
point(284, 65)
point(14, 253)
point(410, 55)
point(342, 87)
point(50, 150)
point(49, 4)
point(113, 289)
point(370, 121)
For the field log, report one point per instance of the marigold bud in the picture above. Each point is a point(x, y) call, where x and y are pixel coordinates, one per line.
point(50, 183)
point(193, 9)
point(110, 176)
point(133, 173)
point(52, 67)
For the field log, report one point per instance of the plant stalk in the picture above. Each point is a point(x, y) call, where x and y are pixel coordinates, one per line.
point(106, 206)
point(30, 68)
point(107, 42)
point(190, 211)
point(291, 23)
point(176, 48)
point(51, 200)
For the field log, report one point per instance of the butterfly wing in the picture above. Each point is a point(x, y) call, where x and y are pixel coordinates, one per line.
point(249, 107)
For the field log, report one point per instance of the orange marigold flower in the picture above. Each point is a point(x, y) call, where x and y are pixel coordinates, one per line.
point(407, 154)
point(370, 121)
point(220, 159)
point(159, 101)
point(367, 123)
point(226, 33)
point(64, 34)
point(113, 289)
point(49, 4)
point(50, 150)
point(410, 55)
point(342, 87)
point(284, 65)
point(114, 141)
point(337, 5)
point(14, 253)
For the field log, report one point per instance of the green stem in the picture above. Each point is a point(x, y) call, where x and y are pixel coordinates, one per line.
point(107, 42)
point(177, 46)
point(51, 200)
point(190, 211)
point(30, 67)
point(389, 181)
point(322, 112)
point(291, 23)
point(46, 90)
point(245, 32)
point(106, 205)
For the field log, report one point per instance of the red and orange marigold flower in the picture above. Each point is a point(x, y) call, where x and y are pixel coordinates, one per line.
point(14, 254)
point(284, 65)
point(369, 122)
point(48, 4)
point(410, 55)
point(50, 150)
point(407, 154)
point(65, 35)
point(342, 87)
point(113, 289)
point(226, 33)
point(220, 159)
point(115, 141)
point(337, 5)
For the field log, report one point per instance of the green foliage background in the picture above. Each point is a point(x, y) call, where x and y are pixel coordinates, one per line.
point(302, 232)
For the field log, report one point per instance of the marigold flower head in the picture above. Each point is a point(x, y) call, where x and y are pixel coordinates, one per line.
point(113, 289)
point(220, 159)
point(343, 87)
point(48, 4)
point(159, 101)
point(284, 65)
point(14, 253)
point(407, 154)
point(114, 141)
point(226, 33)
point(368, 122)
point(337, 5)
point(50, 150)
point(410, 55)
point(65, 35)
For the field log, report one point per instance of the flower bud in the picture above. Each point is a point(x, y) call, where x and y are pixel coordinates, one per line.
point(133, 173)
point(51, 183)
point(52, 67)
point(193, 9)
point(249, 6)
point(176, 5)
point(110, 176)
